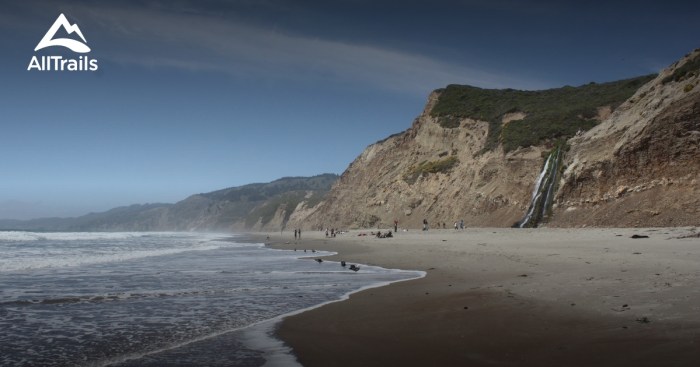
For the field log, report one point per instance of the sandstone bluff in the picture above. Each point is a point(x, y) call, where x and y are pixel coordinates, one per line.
point(638, 165)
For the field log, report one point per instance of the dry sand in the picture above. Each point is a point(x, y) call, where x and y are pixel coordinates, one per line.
point(509, 297)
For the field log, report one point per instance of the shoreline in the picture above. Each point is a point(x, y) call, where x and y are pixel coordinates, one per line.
point(507, 297)
point(261, 335)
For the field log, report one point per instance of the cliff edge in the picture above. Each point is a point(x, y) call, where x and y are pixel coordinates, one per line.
point(629, 148)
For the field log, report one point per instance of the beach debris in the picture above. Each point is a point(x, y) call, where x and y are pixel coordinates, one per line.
point(691, 235)
point(643, 320)
point(635, 236)
point(466, 307)
point(354, 267)
point(636, 253)
point(624, 308)
point(523, 275)
point(295, 250)
point(342, 263)
point(304, 250)
point(319, 260)
point(314, 251)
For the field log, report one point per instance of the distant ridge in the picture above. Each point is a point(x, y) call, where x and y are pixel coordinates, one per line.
point(255, 206)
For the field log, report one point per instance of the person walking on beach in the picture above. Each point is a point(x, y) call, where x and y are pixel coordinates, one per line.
point(425, 224)
point(295, 234)
point(461, 224)
point(299, 230)
point(396, 225)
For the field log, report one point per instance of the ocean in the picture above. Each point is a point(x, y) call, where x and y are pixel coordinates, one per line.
point(158, 299)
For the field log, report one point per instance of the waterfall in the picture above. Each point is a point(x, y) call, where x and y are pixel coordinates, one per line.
point(551, 183)
point(542, 194)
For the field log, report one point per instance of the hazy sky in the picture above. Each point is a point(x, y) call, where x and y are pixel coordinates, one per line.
point(193, 96)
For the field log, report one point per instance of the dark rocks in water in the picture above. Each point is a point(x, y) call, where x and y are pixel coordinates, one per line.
point(342, 263)
point(354, 267)
point(319, 260)
point(635, 236)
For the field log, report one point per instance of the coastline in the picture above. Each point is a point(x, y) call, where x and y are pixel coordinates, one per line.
point(542, 297)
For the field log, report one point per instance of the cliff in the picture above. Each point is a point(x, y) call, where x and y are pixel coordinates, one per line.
point(630, 153)
point(641, 166)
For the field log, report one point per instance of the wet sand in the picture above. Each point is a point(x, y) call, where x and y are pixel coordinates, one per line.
point(509, 297)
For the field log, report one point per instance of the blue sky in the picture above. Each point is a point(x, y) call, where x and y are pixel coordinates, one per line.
point(194, 96)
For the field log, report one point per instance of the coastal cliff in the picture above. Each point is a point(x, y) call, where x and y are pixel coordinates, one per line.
point(630, 157)
point(641, 166)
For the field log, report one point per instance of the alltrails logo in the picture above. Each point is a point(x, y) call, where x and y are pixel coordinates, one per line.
point(59, 63)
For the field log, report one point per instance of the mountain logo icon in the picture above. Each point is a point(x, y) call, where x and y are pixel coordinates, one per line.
point(74, 45)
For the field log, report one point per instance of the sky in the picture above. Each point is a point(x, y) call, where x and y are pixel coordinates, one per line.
point(194, 96)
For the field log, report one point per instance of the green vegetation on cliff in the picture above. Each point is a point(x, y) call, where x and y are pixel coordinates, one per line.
point(425, 167)
point(550, 114)
point(688, 70)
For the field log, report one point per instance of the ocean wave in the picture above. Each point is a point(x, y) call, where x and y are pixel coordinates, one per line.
point(68, 259)
point(27, 236)
point(101, 298)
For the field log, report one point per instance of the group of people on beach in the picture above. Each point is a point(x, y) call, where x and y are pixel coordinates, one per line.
point(458, 224)
point(297, 234)
point(331, 232)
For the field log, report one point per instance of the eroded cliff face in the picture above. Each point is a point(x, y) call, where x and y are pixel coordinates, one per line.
point(490, 189)
point(641, 166)
point(638, 166)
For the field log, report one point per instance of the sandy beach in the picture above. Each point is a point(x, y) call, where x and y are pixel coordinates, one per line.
point(509, 297)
